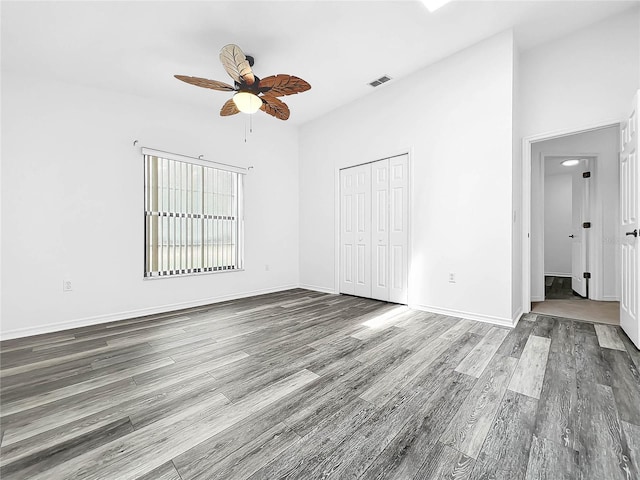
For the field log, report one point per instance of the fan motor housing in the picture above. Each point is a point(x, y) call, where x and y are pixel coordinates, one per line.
point(253, 88)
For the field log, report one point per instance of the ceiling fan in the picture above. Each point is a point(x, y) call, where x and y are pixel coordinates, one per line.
point(252, 94)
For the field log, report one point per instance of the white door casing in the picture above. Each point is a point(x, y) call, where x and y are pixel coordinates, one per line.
point(527, 204)
point(630, 225)
point(579, 213)
point(380, 230)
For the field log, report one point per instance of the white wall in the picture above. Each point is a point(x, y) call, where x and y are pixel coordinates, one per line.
point(67, 163)
point(456, 118)
point(557, 224)
point(585, 78)
point(72, 203)
point(604, 144)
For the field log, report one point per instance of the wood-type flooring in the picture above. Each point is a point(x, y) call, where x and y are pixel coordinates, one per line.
point(559, 288)
point(304, 385)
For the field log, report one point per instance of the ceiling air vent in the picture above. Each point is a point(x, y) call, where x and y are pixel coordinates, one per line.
point(380, 81)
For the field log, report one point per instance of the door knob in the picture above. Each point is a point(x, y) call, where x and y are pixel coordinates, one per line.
point(634, 233)
point(571, 236)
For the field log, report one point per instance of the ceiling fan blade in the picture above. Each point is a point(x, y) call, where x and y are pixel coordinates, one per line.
point(205, 83)
point(236, 64)
point(281, 85)
point(275, 107)
point(229, 108)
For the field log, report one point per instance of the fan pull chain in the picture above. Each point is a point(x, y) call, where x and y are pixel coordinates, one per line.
point(250, 127)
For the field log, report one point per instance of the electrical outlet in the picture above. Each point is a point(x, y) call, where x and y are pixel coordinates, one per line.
point(452, 277)
point(66, 286)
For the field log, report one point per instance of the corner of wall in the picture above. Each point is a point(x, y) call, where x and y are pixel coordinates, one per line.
point(516, 181)
point(516, 317)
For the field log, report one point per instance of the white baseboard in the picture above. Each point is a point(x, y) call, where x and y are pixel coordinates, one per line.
point(315, 288)
point(88, 321)
point(504, 322)
point(610, 298)
point(517, 316)
point(537, 299)
point(556, 274)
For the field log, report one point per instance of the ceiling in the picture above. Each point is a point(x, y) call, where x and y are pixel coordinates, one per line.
point(136, 47)
point(553, 164)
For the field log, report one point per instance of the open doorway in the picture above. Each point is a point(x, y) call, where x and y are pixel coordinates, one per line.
point(566, 197)
point(574, 269)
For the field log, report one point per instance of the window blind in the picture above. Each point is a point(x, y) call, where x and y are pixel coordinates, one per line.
point(193, 217)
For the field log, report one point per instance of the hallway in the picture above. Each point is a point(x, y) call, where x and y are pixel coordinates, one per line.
point(561, 301)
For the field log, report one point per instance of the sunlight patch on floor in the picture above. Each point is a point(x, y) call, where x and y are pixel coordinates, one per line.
point(386, 319)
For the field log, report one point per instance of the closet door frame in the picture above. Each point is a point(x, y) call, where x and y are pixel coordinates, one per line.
point(409, 215)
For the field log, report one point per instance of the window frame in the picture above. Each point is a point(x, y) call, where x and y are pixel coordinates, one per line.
point(238, 191)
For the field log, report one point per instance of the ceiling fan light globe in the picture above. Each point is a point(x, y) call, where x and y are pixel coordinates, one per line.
point(247, 102)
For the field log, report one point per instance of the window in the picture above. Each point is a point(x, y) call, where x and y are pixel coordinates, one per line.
point(193, 216)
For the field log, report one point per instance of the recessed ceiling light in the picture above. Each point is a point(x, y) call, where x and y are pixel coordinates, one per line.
point(570, 163)
point(433, 5)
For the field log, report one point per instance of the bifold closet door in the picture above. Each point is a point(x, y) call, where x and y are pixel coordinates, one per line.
point(398, 229)
point(374, 230)
point(380, 230)
point(355, 231)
